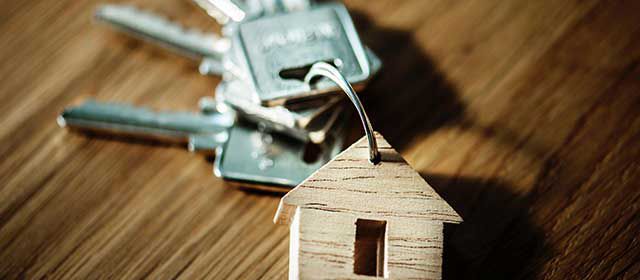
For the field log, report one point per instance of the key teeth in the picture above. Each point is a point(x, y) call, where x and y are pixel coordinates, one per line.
point(155, 28)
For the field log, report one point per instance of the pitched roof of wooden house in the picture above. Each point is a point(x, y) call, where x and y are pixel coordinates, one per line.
point(351, 184)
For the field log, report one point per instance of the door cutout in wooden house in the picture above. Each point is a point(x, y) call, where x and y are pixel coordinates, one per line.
point(370, 251)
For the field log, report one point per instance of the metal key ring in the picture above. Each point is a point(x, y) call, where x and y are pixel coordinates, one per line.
point(329, 71)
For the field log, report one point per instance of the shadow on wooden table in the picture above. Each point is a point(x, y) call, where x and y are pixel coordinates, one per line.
point(409, 96)
point(412, 97)
point(497, 239)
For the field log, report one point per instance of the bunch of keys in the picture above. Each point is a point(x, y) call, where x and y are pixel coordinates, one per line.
point(264, 116)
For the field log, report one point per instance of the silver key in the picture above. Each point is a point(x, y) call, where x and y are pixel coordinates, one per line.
point(208, 47)
point(243, 152)
point(275, 52)
point(202, 132)
point(302, 124)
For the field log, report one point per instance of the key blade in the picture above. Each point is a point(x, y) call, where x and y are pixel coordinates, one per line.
point(209, 131)
point(159, 30)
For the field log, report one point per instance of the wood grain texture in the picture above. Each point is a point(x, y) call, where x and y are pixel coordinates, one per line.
point(351, 185)
point(413, 249)
point(523, 115)
point(322, 213)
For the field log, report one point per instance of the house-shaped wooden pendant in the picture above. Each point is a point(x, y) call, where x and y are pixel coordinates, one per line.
point(352, 219)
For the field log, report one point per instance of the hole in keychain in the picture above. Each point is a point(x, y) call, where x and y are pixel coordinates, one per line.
point(300, 72)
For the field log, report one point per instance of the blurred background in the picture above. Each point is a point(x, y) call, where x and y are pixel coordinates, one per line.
point(523, 115)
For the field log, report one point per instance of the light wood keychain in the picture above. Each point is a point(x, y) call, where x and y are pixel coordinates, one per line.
point(366, 213)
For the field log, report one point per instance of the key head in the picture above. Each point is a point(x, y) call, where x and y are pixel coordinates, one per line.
point(276, 51)
point(257, 156)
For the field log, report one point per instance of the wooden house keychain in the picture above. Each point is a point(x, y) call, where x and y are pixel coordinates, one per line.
point(366, 213)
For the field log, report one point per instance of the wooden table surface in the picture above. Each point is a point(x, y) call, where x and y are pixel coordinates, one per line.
point(524, 115)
